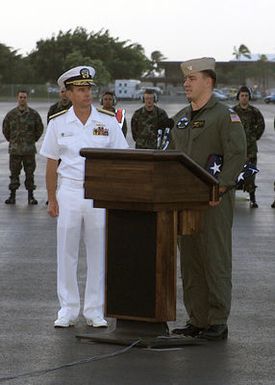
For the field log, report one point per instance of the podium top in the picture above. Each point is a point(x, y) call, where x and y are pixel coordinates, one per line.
point(151, 156)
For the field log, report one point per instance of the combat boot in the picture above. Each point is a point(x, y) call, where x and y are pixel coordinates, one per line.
point(253, 203)
point(12, 198)
point(188, 330)
point(31, 198)
point(215, 333)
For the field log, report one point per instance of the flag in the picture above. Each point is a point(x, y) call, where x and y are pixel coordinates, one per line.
point(248, 172)
point(214, 164)
point(214, 167)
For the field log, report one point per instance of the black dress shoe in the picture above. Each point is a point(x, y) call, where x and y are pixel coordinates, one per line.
point(273, 205)
point(188, 331)
point(215, 333)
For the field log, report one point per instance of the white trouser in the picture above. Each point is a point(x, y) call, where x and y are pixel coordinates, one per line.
point(77, 215)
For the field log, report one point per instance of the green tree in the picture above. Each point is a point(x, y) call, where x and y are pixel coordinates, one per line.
point(9, 60)
point(118, 58)
point(102, 75)
point(241, 51)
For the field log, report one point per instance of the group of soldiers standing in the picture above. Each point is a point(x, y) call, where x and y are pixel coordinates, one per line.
point(22, 128)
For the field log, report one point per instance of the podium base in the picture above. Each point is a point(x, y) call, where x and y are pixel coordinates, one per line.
point(141, 334)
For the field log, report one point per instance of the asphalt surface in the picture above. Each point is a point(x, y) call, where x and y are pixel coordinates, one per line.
point(33, 352)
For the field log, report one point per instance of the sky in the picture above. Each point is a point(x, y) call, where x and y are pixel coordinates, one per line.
point(179, 29)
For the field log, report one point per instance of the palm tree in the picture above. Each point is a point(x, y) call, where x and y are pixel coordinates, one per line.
point(155, 66)
point(156, 58)
point(241, 51)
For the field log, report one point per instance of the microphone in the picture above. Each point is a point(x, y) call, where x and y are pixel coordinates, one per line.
point(159, 138)
point(167, 125)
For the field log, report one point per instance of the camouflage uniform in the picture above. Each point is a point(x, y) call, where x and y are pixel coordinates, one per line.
point(254, 125)
point(57, 107)
point(145, 125)
point(22, 128)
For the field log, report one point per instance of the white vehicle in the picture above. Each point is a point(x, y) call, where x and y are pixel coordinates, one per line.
point(156, 90)
point(219, 94)
point(127, 88)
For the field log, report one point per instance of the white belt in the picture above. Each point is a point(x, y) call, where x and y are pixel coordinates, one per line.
point(71, 182)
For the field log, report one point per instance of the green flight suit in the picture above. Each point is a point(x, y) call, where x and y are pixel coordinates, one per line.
point(206, 257)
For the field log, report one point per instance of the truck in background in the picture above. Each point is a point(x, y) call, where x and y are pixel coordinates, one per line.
point(127, 89)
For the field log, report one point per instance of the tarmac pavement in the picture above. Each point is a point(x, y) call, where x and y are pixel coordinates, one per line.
point(33, 352)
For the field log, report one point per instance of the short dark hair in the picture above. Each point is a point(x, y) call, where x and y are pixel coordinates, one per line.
point(149, 91)
point(22, 91)
point(211, 74)
point(109, 93)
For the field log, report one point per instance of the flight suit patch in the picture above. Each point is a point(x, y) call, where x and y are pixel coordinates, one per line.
point(198, 124)
point(234, 117)
point(183, 122)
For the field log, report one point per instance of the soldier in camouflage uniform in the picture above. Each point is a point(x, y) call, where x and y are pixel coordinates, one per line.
point(146, 121)
point(22, 127)
point(64, 103)
point(254, 125)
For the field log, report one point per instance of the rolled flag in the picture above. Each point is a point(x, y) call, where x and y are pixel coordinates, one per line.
point(248, 171)
point(214, 167)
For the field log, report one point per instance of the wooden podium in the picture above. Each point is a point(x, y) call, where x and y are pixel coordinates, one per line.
point(150, 196)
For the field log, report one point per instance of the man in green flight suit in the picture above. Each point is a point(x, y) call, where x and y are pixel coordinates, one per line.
point(203, 128)
point(22, 127)
point(254, 125)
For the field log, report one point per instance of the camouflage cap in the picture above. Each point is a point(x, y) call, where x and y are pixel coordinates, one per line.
point(77, 76)
point(197, 65)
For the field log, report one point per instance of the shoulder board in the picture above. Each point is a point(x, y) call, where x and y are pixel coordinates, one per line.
point(110, 113)
point(57, 114)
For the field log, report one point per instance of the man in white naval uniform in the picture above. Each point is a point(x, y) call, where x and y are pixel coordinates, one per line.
point(81, 126)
